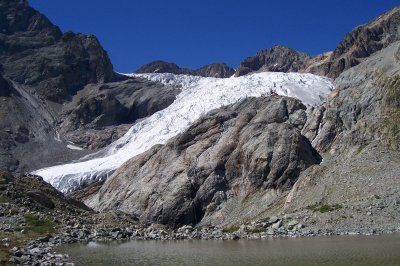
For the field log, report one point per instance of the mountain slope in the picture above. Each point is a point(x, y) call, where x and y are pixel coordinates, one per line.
point(167, 123)
point(359, 139)
point(42, 71)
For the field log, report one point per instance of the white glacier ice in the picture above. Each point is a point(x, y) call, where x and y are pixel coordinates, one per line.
point(198, 96)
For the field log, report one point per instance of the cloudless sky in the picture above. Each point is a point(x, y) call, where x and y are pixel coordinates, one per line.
point(195, 33)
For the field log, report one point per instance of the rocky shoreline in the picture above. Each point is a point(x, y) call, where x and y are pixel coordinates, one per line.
point(35, 219)
point(43, 251)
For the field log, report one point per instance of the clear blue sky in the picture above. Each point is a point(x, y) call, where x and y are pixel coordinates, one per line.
point(195, 33)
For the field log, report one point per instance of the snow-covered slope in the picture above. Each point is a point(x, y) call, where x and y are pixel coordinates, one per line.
point(199, 95)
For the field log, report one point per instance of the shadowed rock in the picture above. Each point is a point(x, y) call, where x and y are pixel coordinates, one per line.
point(41, 198)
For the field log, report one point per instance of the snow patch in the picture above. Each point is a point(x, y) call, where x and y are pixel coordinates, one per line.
point(73, 147)
point(198, 96)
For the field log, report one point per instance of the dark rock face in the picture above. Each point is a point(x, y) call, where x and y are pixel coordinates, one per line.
point(162, 67)
point(41, 72)
point(91, 118)
point(58, 71)
point(41, 198)
point(17, 16)
point(362, 42)
point(5, 178)
point(231, 153)
point(34, 52)
point(275, 59)
point(217, 70)
point(38, 195)
point(5, 89)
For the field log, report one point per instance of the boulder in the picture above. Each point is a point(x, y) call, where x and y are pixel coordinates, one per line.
point(41, 198)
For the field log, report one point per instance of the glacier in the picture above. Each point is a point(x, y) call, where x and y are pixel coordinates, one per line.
point(198, 96)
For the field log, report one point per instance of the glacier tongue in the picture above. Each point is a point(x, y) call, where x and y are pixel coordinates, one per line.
point(199, 95)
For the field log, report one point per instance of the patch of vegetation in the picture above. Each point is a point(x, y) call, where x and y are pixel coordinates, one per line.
point(231, 229)
point(377, 197)
point(325, 208)
point(4, 199)
point(5, 250)
point(257, 230)
point(36, 226)
point(4, 256)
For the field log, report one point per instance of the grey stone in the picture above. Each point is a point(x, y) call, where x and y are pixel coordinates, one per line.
point(290, 225)
point(41, 198)
point(277, 225)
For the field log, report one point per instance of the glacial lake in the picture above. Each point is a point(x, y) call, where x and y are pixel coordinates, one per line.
point(335, 250)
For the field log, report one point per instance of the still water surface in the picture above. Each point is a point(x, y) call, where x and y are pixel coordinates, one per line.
point(337, 250)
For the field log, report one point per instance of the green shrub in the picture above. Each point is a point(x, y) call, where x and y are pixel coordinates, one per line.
point(35, 225)
point(231, 229)
point(4, 199)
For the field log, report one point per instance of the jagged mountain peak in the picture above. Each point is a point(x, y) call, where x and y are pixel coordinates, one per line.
point(160, 66)
point(275, 59)
point(362, 42)
point(18, 16)
point(216, 70)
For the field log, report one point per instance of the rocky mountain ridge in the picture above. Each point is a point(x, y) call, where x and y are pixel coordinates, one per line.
point(275, 59)
point(358, 44)
point(216, 70)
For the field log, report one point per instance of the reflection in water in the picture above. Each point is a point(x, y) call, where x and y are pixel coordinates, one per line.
point(338, 250)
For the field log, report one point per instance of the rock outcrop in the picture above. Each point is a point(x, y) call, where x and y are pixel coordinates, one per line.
point(357, 133)
point(101, 113)
point(5, 89)
point(275, 59)
point(36, 53)
point(216, 70)
point(230, 154)
point(360, 43)
point(161, 67)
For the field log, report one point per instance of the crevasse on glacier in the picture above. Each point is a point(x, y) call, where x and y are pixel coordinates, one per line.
point(198, 96)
